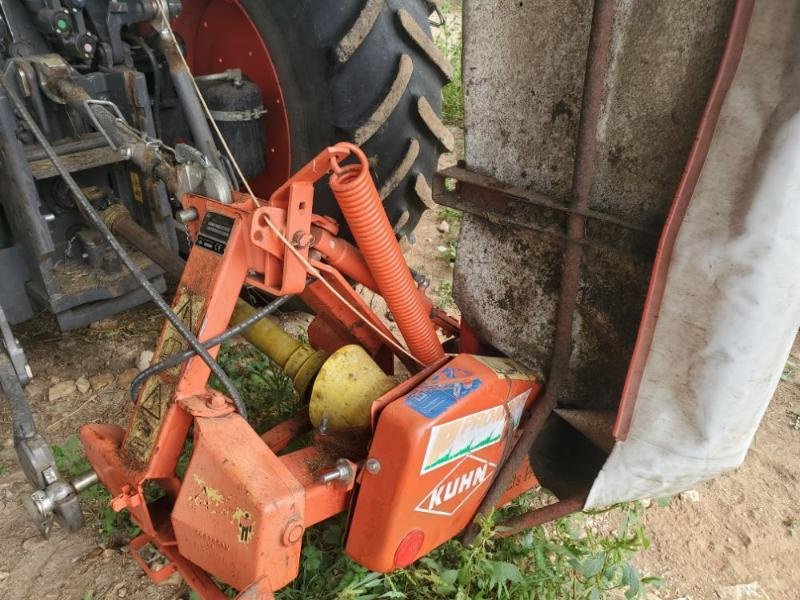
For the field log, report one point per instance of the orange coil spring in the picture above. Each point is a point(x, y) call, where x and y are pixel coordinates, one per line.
point(361, 206)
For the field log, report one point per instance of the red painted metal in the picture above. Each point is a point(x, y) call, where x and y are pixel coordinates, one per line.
point(343, 256)
point(284, 433)
point(336, 325)
point(731, 55)
point(220, 35)
point(539, 516)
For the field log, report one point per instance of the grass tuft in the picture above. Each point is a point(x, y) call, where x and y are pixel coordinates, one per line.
point(448, 38)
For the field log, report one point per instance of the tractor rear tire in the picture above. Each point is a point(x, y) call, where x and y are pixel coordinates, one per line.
point(365, 71)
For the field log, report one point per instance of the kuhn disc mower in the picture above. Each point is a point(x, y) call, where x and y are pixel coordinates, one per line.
point(617, 342)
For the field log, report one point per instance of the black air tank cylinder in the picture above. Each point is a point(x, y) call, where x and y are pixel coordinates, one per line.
point(238, 110)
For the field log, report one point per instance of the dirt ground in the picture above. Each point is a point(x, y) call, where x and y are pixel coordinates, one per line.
point(743, 528)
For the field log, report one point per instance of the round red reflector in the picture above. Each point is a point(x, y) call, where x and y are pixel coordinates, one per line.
point(409, 548)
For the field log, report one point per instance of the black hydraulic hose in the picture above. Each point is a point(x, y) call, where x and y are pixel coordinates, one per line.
point(91, 214)
point(151, 57)
point(177, 359)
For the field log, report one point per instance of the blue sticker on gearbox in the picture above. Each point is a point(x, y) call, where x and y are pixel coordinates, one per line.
point(436, 397)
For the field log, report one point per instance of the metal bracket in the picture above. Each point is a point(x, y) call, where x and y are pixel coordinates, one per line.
point(226, 116)
point(59, 501)
point(15, 352)
point(87, 104)
point(54, 498)
point(516, 207)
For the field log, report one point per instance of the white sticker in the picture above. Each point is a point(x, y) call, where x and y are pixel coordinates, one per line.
point(457, 439)
point(455, 488)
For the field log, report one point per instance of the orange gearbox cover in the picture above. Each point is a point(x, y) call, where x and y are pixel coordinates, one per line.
point(240, 512)
point(438, 449)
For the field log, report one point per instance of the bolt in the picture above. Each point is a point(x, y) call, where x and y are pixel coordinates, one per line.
point(343, 472)
point(302, 240)
point(293, 532)
point(216, 401)
point(373, 466)
point(187, 215)
point(84, 480)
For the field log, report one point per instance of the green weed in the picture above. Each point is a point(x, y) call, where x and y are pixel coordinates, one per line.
point(555, 562)
point(444, 292)
point(267, 391)
point(451, 215)
point(794, 419)
point(303, 337)
point(448, 38)
point(448, 252)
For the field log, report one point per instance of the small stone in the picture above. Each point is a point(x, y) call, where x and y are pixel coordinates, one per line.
point(443, 227)
point(101, 381)
point(108, 554)
point(743, 591)
point(61, 390)
point(4, 575)
point(104, 325)
point(144, 359)
point(647, 502)
point(441, 249)
point(83, 384)
point(125, 378)
point(122, 592)
point(690, 496)
point(33, 543)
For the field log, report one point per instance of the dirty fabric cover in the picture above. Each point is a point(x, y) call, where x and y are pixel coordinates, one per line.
point(731, 308)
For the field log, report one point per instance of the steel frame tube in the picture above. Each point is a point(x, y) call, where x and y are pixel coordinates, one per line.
point(539, 516)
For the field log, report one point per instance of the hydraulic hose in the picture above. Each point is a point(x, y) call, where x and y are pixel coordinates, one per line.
point(355, 191)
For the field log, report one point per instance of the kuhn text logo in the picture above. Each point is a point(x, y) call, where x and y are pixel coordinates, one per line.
point(452, 491)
